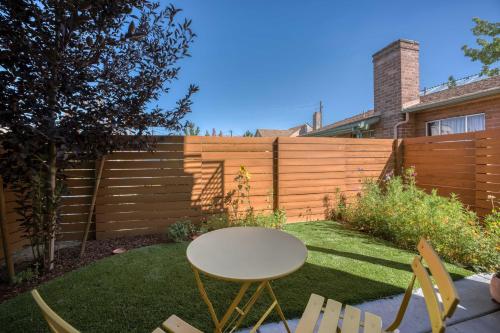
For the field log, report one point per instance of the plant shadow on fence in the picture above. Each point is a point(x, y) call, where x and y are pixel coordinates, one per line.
point(212, 193)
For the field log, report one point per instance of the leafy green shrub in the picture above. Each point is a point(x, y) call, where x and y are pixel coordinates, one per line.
point(397, 210)
point(181, 231)
point(492, 226)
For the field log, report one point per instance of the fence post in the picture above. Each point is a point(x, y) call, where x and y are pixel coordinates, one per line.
point(398, 153)
point(276, 186)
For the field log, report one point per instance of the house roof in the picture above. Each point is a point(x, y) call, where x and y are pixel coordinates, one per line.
point(469, 88)
point(274, 132)
point(298, 127)
point(466, 89)
point(286, 132)
point(466, 86)
point(345, 123)
point(350, 127)
point(453, 100)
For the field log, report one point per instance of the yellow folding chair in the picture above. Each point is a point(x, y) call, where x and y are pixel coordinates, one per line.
point(351, 316)
point(58, 325)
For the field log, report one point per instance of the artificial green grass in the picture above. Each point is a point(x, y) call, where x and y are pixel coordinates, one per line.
point(136, 291)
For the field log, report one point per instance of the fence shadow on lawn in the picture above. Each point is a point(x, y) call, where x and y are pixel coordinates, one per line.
point(361, 257)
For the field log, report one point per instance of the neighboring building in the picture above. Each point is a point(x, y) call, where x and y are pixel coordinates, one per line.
point(299, 130)
point(402, 110)
point(291, 132)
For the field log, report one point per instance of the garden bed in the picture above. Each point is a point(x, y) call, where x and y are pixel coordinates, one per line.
point(68, 259)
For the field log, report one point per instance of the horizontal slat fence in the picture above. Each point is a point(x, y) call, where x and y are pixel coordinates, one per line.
point(446, 163)
point(189, 177)
point(14, 234)
point(80, 181)
point(312, 170)
point(487, 171)
point(467, 165)
point(185, 178)
point(143, 192)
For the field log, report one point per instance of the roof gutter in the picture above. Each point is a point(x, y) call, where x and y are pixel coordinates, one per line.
point(453, 100)
point(346, 128)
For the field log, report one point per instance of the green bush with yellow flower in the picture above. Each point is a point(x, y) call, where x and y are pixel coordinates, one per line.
point(397, 210)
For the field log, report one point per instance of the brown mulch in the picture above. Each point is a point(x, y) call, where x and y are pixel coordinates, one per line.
point(68, 259)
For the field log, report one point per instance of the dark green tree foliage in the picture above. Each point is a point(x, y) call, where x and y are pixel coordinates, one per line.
point(488, 52)
point(451, 82)
point(248, 133)
point(191, 129)
point(75, 78)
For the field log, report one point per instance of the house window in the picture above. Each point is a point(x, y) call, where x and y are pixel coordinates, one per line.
point(472, 123)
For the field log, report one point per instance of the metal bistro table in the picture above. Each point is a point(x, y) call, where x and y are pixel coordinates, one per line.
point(249, 255)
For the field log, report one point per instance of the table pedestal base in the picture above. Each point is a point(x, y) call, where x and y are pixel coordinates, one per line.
point(230, 323)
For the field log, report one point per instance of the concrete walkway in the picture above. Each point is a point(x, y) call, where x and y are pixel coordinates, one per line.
point(475, 313)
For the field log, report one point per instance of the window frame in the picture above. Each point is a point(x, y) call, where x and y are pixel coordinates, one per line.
point(464, 116)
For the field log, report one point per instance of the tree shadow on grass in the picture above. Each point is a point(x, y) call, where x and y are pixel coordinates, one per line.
point(345, 231)
point(361, 257)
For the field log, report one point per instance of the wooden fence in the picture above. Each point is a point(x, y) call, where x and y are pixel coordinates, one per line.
point(311, 170)
point(188, 177)
point(14, 234)
point(467, 165)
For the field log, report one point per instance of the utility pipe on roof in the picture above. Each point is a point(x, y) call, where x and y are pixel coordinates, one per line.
point(407, 119)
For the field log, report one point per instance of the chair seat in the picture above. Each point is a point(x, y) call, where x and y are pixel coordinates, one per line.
point(177, 325)
point(332, 314)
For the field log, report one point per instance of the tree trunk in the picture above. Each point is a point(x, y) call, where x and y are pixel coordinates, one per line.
point(51, 199)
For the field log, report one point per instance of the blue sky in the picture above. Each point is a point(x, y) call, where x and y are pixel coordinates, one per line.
point(267, 64)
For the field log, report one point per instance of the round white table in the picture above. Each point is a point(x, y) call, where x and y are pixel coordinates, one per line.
point(247, 255)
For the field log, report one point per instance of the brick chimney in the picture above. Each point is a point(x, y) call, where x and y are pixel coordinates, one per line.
point(317, 120)
point(396, 82)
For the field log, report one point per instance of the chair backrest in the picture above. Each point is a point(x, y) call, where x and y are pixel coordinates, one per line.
point(445, 286)
point(444, 283)
point(56, 323)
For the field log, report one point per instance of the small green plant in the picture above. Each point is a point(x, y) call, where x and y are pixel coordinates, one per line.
point(240, 196)
point(181, 231)
point(275, 220)
point(397, 210)
point(215, 222)
point(28, 275)
point(492, 224)
point(337, 209)
point(240, 211)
